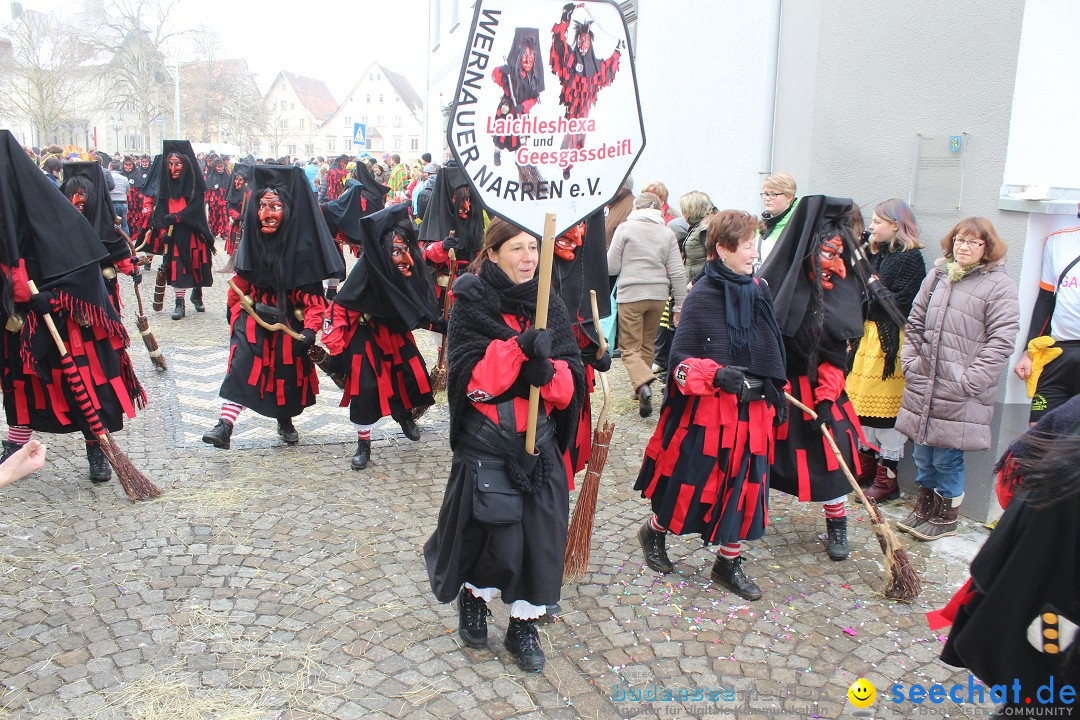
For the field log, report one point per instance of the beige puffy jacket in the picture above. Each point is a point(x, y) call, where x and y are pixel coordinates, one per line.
point(957, 346)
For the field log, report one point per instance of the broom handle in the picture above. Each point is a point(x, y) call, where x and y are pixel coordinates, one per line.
point(543, 294)
point(602, 346)
point(840, 459)
point(446, 302)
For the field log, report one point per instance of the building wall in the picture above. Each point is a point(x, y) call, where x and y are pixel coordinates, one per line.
point(857, 81)
point(374, 102)
point(293, 140)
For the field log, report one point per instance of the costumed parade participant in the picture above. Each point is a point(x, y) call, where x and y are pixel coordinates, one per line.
point(84, 185)
point(368, 329)
point(235, 205)
point(363, 195)
point(1015, 621)
point(522, 81)
point(580, 265)
point(817, 306)
point(140, 205)
point(706, 467)
point(180, 212)
point(335, 177)
point(503, 523)
point(45, 239)
point(452, 210)
point(875, 383)
point(218, 182)
point(580, 73)
point(284, 256)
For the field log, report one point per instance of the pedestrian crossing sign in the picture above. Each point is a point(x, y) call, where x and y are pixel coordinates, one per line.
point(359, 134)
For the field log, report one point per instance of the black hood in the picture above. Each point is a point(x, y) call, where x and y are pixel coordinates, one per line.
point(441, 217)
point(99, 208)
point(376, 287)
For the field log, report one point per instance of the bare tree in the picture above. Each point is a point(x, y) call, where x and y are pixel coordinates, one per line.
point(219, 97)
point(42, 74)
point(133, 32)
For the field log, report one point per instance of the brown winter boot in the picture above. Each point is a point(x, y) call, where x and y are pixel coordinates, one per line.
point(868, 465)
point(885, 486)
point(943, 522)
point(925, 507)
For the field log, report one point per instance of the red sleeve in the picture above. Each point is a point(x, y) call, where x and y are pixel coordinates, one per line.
point(245, 287)
point(560, 391)
point(694, 376)
point(339, 325)
point(434, 253)
point(124, 266)
point(498, 369)
point(830, 383)
point(497, 76)
point(19, 281)
point(528, 104)
point(314, 309)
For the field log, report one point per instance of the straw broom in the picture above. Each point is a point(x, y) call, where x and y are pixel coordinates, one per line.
point(136, 485)
point(903, 581)
point(579, 536)
point(437, 378)
point(142, 322)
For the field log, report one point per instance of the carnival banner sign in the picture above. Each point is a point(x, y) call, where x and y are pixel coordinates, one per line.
point(546, 117)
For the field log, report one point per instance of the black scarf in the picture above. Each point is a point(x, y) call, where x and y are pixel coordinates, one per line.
point(477, 319)
point(701, 333)
point(771, 221)
point(902, 272)
point(376, 287)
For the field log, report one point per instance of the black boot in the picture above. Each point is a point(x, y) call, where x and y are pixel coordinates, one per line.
point(196, 300)
point(287, 431)
point(363, 455)
point(523, 642)
point(10, 448)
point(99, 464)
point(221, 435)
point(408, 426)
point(472, 618)
point(644, 395)
point(836, 543)
point(729, 573)
point(652, 543)
point(178, 312)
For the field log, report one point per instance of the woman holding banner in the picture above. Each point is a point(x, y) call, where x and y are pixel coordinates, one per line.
point(503, 523)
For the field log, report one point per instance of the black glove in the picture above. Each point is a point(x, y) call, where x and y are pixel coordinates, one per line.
point(537, 372)
point(309, 338)
point(601, 364)
point(438, 325)
point(468, 287)
point(567, 11)
point(171, 219)
point(136, 275)
point(781, 412)
point(824, 410)
point(451, 243)
point(730, 379)
point(41, 302)
point(536, 344)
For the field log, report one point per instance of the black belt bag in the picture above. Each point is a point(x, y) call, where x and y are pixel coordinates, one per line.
point(495, 500)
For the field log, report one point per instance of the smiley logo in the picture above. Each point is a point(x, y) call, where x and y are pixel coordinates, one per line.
point(862, 693)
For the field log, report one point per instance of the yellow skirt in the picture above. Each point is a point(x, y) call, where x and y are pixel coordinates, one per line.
point(871, 396)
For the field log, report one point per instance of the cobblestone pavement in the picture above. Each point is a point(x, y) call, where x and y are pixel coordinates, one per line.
point(275, 582)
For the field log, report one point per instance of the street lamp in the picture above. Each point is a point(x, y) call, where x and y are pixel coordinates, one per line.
point(116, 127)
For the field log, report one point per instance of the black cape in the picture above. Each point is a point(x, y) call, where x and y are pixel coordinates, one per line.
point(310, 254)
point(99, 209)
point(441, 218)
point(234, 196)
point(376, 287)
point(344, 212)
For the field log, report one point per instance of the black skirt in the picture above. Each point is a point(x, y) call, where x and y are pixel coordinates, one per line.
point(523, 560)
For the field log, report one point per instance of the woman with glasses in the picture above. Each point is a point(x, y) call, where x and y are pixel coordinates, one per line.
point(778, 198)
point(876, 383)
point(960, 335)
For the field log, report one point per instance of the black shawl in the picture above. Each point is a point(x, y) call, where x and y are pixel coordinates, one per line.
point(705, 331)
point(815, 323)
point(343, 213)
point(308, 253)
point(441, 217)
point(477, 319)
point(902, 272)
point(99, 209)
point(376, 287)
point(373, 191)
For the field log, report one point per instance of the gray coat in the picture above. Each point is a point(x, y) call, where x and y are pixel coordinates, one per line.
point(956, 347)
